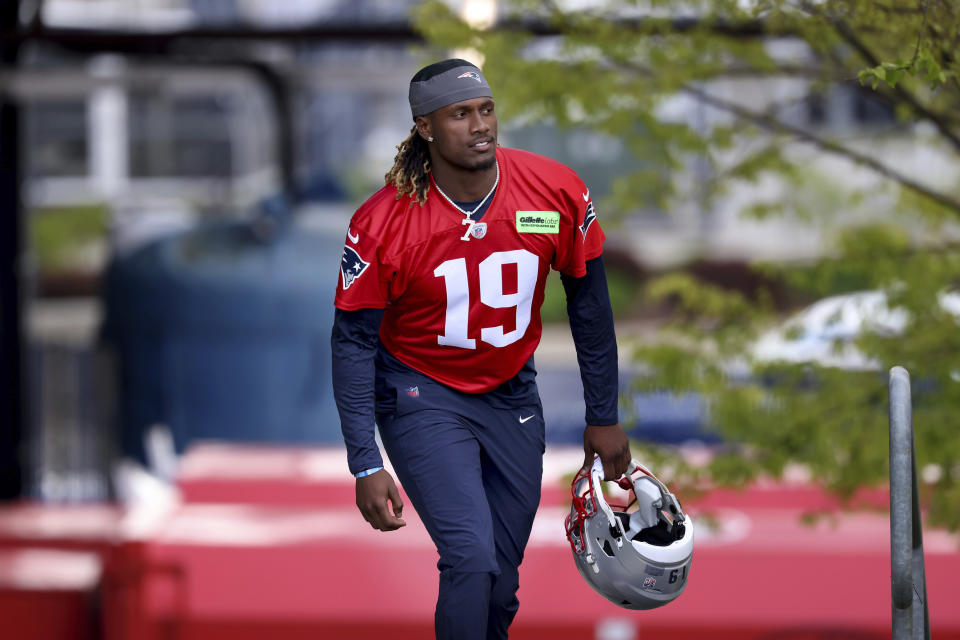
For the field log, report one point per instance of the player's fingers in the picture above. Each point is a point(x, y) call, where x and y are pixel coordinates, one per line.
point(373, 513)
point(382, 517)
point(386, 521)
point(375, 519)
point(587, 462)
point(588, 455)
point(610, 469)
point(615, 465)
point(623, 462)
point(394, 496)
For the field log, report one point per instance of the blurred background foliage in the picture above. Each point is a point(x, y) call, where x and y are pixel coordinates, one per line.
point(61, 235)
point(614, 68)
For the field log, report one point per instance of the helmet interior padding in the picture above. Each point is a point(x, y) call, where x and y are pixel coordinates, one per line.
point(660, 535)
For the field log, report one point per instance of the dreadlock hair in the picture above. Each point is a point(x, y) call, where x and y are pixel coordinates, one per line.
point(410, 173)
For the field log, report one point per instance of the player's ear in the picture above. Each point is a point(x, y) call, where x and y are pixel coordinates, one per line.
point(424, 128)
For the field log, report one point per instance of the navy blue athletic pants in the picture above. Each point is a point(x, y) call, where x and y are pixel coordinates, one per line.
point(472, 470)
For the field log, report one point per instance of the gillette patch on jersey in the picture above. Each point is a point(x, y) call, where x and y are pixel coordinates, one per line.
point(538, 221)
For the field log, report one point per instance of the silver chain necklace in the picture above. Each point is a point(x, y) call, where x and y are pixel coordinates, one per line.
point(468, 220)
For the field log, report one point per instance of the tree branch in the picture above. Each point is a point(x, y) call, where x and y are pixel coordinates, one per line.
point(923, 25)
point(946, 49)
point(735, 71)
point(895, 10)
point(862, 159)
point(851, 38)
point(560, 19)
point(758, 28)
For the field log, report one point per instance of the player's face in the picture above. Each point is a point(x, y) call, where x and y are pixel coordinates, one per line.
point(464, 134)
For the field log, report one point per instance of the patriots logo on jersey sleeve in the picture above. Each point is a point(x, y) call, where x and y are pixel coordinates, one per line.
point(588, 219)
point(352, 266)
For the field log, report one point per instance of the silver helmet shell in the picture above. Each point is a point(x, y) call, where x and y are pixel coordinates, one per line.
point(636, 560)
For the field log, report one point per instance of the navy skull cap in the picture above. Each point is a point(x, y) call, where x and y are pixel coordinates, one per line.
point(446, 82)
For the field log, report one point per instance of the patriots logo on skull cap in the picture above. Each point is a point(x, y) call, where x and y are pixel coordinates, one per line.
point(352, 266)
point(471, 74)
point(588, 219)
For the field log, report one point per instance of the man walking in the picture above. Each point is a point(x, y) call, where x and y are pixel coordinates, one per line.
point(437, 319)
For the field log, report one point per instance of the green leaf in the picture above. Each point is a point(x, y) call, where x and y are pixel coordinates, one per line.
point(894, 76)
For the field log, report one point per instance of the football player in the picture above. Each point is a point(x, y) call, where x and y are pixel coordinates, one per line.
point(437, 319)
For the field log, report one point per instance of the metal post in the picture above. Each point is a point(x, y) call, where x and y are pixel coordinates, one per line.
point(12, 409)
point(921, 612)
point(911, 620)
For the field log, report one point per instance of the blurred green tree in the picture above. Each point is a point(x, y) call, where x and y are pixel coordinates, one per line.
point(887, 222)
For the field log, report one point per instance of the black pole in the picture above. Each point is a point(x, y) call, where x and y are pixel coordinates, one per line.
point(12, 413)
point(278, 92)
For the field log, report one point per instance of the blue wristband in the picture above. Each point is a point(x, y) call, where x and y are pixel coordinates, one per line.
point(368, 472)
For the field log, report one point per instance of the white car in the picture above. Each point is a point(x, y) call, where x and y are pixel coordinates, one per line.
point(826, 331)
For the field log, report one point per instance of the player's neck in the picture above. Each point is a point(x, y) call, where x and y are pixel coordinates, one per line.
point(463, 185)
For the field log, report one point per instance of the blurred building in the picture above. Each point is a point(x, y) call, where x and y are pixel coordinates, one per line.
point(854, 116)
point(150, 143)
point(114, 128)
point(111, 126)
point(122, 149)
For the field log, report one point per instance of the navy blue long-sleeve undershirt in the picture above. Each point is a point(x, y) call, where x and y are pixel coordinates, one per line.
point(355, 343)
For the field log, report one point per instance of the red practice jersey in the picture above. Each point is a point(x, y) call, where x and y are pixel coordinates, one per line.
point(466, 312)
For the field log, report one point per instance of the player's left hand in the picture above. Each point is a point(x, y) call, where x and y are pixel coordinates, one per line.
point(611, 444)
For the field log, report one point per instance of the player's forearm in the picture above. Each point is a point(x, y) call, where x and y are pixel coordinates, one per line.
point(591, 324)
point(353, 344)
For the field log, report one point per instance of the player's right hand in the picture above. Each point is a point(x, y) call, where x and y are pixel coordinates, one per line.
point(373, 494)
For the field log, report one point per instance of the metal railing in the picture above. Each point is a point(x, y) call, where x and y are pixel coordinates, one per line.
point(911, 618)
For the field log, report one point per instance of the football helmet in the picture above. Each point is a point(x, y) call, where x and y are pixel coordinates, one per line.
point(636, 559)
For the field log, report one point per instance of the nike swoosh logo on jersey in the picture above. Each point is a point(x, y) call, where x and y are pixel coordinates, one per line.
point(522, 420)
point(586, 196)
point(353, 238)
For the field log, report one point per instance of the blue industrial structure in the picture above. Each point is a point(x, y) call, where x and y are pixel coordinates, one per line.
point(222, 332)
